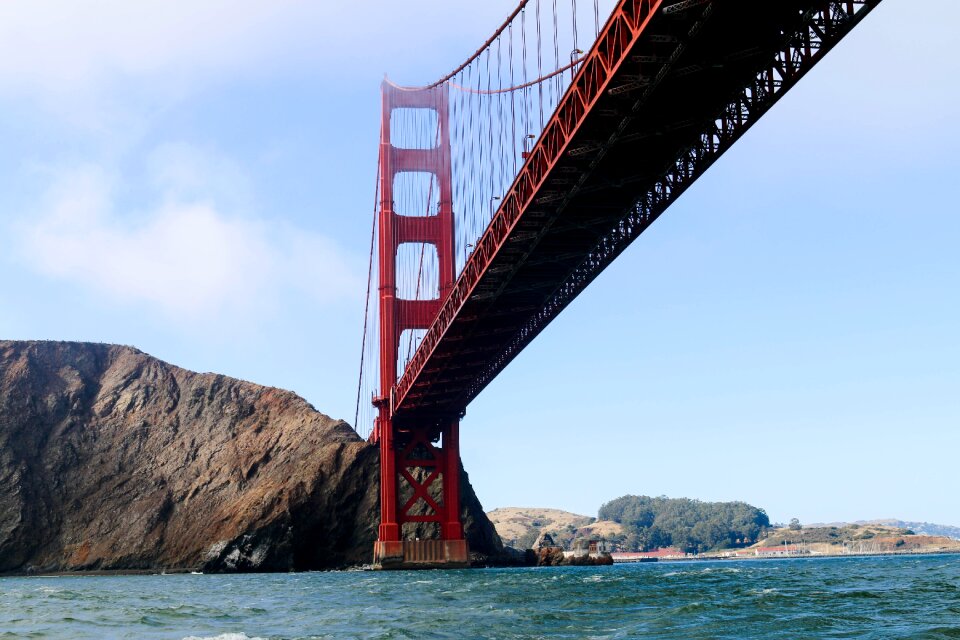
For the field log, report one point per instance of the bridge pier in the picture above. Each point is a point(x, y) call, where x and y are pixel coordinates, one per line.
point(420, 499)
point(419, 460)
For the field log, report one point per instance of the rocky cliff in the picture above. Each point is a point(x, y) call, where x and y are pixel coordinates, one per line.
point(112, 459)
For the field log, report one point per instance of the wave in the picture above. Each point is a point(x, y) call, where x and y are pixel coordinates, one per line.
point(225, 636)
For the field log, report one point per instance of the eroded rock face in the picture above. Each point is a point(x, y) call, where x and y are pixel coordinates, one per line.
point(111, 459)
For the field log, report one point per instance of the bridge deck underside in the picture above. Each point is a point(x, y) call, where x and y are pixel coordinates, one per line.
point(633, 134)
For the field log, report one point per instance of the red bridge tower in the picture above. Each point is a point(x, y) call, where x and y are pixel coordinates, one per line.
point(419, 463)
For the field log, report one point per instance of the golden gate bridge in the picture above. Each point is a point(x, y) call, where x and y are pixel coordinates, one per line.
point(508, 185)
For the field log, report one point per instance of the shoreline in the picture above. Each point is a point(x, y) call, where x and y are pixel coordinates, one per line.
point(187, 571)
point(791, 556)
point(118, 572)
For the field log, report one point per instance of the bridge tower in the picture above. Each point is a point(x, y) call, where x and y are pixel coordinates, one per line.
point(419, 463)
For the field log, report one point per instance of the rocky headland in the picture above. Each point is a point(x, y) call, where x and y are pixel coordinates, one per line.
point(113, 460)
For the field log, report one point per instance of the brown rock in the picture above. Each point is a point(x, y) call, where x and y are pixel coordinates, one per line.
point(590, 561)
point(111, 459)
point(549, 556)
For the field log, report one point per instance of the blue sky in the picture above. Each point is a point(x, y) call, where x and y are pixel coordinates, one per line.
point(197, 180)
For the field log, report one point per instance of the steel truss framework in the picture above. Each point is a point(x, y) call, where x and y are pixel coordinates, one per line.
point(666, 90)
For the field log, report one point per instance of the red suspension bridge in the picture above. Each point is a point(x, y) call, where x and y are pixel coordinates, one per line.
point(508, 185)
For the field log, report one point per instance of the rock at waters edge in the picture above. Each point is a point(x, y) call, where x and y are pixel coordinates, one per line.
point(113, 460)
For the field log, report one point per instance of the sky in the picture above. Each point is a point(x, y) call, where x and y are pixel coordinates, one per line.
point(197, 180)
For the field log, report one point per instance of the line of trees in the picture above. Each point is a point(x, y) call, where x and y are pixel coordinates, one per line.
point(691, 525)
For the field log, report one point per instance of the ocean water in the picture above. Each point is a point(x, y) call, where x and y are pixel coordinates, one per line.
point(879, 597)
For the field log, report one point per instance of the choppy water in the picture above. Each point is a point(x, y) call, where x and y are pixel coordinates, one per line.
point(889, 597)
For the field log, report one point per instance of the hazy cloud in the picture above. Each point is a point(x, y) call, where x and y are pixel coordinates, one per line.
point(185, 255)
point(57, 46)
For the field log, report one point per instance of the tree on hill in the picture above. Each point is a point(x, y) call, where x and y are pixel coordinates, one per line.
point(691, 525)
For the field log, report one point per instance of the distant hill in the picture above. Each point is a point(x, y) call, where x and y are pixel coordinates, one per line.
point(691, 525)
point(921, 528)
point(640, 517)
point(519, 527)
point(634, 523)
point(883, 536)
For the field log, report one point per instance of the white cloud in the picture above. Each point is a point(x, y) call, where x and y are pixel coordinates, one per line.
point(179, 170)
point(57, 45)
point(64, 45)
point(112, 68)
point(185, 256)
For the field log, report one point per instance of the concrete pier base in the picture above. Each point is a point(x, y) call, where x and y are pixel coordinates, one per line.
point(421, 554)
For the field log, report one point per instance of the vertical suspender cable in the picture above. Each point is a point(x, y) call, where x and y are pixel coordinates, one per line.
point(366, 306)
point(575, 48)
point(556, 59)
point(540, 64)
point(525, 125)
point(513, 105)
point(501, 128)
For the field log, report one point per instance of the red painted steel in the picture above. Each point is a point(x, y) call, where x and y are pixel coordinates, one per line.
point(410, 460)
